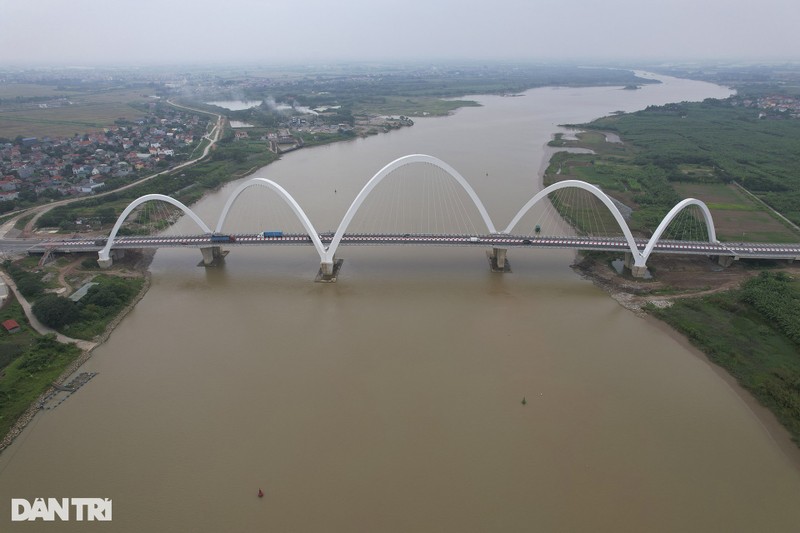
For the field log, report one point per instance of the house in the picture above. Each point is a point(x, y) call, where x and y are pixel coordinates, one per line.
point(88, 186)
point(25, 171)
point(11, 325)
point(9, 184)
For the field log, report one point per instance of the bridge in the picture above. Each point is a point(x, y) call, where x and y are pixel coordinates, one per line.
point(637, 250)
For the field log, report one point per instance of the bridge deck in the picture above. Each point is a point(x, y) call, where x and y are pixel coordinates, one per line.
point(737, 249)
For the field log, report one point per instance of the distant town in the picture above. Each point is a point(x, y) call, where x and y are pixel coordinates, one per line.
point(52, 167)
point(773, 106)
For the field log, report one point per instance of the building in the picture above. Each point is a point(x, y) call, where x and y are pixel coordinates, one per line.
point(11, 325)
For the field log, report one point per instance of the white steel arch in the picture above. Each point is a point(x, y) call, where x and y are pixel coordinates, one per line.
point(385, 171)
point(603, 197)
point(286, 197)
point(680, 206)
point(327, 254)
point(106, 251)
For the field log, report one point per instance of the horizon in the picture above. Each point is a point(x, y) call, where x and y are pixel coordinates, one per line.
point(297, 66)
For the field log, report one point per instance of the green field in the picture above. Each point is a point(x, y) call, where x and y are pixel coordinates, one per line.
point(27, 90)
point(720, 143)
point(737, 217)
point(89, 111)
point(657, 166)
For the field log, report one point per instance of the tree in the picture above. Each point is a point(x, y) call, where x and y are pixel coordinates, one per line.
point(30, 286)
point(55, 311)
point(106, 215)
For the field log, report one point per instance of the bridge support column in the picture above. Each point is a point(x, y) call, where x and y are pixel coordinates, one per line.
point(628, 260)
point(498, 261)
point(212, 255)
point(725, 260)
point(105, 263)
point(329, 271)
point(637, 271)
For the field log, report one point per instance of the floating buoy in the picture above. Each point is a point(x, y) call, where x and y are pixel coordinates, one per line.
point(260, 493)
point(524, 401)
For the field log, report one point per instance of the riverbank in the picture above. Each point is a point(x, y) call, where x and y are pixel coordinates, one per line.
point(689, 277)
point(87, 347)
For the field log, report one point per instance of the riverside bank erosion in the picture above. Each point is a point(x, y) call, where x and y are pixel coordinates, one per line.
point(327, 401)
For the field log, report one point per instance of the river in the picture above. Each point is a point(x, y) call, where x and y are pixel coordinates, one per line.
point(391, 400)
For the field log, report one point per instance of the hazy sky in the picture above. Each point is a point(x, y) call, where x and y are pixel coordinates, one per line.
point(81, 32)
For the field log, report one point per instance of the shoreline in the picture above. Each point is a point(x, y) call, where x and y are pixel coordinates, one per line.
point(624, 292)
point(33, 409)
point(779, 435)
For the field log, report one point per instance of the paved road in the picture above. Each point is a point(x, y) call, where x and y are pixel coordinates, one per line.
point(739, 250)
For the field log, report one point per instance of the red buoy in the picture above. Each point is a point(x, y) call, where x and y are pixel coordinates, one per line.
point(260, 493)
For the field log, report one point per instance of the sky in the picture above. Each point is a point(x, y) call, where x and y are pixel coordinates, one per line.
point(141, 32)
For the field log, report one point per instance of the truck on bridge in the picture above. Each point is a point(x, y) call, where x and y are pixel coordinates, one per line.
point(222, 238)
point(272, 234)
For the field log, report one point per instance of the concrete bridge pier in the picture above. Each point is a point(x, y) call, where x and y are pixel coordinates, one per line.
point(212, 255)
point(106, 263)
point(725, 260)
point(498, 261)
point(329, 271)
point(636, 270)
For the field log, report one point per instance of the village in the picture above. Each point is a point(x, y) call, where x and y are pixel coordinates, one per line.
point(773, 106)
point(32, 168)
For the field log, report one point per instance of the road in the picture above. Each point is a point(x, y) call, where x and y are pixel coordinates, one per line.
point(615, 244)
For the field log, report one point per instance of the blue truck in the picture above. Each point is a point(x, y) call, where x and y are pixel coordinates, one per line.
point(273, 234)
point(223, 238)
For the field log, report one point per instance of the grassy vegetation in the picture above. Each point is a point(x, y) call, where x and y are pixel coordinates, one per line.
point(723, 142)
point(12, 345)
point(12, 91)
point(83, 111)
point(101, 305)
point(83, 320)
point(30, 374)
point(754, 333)
point(679, 151)
point(23, 220)
point(28, 364)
